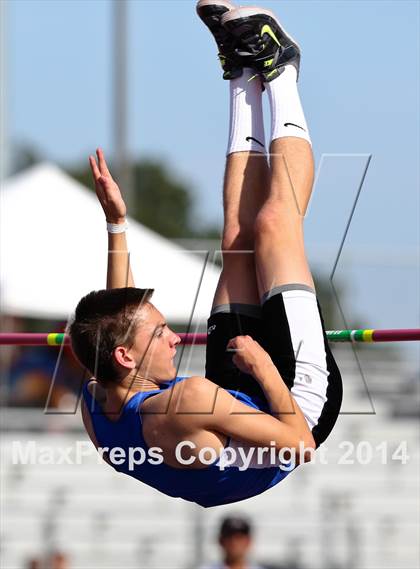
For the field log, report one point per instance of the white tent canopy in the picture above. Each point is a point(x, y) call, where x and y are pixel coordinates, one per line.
point(53, 250)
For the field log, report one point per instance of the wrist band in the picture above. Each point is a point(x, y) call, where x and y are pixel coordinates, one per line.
point(117, 227)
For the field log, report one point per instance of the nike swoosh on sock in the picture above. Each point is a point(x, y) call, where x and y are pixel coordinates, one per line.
point(293, 124)
point(248, 138)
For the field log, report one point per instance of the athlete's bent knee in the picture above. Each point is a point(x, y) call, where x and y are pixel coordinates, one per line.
point(268, 223)
point(275, 222)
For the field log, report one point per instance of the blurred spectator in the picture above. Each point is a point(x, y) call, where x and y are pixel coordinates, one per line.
point(34, 563)
point(58, 560)
point(55, 560)
point(33, 371)
point(235, 540)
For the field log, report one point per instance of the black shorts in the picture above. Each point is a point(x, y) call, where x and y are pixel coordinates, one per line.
point(291, 329)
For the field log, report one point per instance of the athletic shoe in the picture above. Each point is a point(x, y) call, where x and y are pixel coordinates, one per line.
point(211, 12)
point(264, 44)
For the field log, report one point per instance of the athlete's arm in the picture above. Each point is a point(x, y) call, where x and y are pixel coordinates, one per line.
point(202, 405)
point(119, 272)
point(251, 358)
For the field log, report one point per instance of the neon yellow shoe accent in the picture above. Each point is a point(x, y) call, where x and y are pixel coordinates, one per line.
point(271, 73)
point(268, 62)
point(252, 78)
point(267, 30)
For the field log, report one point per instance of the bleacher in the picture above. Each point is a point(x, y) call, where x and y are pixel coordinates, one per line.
point(322, 516)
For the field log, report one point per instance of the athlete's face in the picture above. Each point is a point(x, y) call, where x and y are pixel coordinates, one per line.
point(154, 347)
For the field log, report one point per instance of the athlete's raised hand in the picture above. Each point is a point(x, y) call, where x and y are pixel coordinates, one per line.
point(249, 356)
point(107, 190)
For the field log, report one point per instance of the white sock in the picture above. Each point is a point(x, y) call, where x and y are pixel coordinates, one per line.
point(287, 118)
point(246, 130)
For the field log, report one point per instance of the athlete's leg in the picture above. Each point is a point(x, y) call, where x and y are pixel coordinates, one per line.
point(246, 172)
point(244, 191)
point(280, 250)
point(293, 332)
point(236, 307)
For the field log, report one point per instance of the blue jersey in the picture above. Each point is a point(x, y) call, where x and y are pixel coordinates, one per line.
point(208, 486)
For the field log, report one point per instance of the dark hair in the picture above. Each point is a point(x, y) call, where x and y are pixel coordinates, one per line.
point(235, 525)
point(105, 319)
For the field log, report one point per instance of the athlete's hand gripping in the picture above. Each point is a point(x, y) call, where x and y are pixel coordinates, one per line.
point(249, 356)
point(107, 190)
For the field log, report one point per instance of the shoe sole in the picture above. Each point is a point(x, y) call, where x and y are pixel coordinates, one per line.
point(224, 3)
point(246, 11)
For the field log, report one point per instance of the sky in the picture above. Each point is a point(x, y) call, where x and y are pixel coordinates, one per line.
point(359, 87)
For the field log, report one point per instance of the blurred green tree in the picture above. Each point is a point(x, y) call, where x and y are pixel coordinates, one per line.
point(23, 156)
